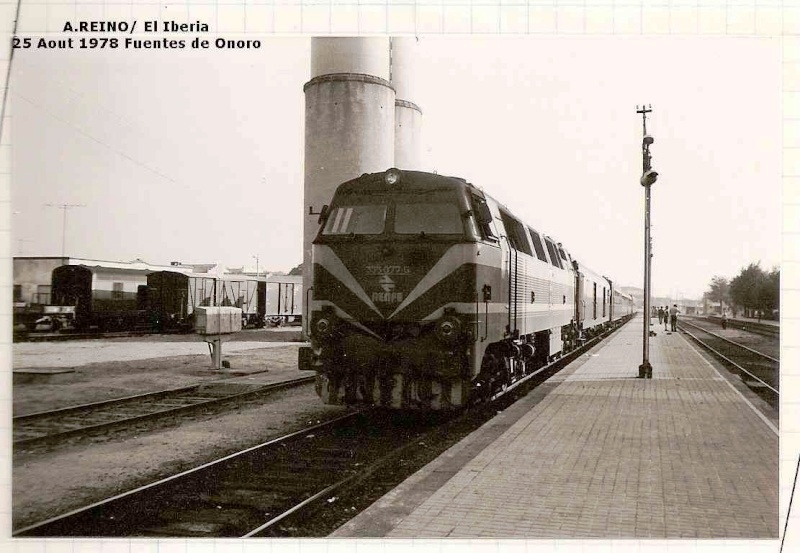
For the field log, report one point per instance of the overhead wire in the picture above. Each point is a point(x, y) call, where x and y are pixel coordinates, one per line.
point(96, 140)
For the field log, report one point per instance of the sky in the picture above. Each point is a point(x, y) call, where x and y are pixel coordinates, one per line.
point(198, 157)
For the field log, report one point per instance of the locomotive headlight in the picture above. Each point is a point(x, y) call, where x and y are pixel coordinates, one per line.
point(323, 327)
point(448, 329)
point(323, 324)
point(392, 176)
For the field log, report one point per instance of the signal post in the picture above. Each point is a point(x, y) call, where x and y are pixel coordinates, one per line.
point(647, 180)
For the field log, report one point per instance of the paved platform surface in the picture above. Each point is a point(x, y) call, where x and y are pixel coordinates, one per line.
point(598, 453)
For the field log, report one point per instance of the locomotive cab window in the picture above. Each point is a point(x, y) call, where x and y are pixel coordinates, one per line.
point(516, 233)
point(483, 216)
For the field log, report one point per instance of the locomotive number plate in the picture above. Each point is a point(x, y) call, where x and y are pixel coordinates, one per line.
point(388, 270)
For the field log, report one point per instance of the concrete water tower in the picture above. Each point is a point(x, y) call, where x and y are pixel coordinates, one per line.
point(407, 114)
point(355, 123)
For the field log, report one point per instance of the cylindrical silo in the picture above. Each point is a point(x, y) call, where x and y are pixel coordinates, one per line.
point(349, 123)
point(407, 114)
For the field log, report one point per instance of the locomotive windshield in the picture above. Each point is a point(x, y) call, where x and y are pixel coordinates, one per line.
point(356, 219)
point(432, 212)
point(430, 218)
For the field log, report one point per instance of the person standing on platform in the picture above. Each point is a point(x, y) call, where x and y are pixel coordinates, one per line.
point(673, 317)
point(660, 315)
point(666, 317)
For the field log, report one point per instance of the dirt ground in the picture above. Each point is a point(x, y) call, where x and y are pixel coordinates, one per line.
point(47, 484)
point(50, 375)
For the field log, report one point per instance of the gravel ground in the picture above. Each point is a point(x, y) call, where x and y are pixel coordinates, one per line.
point(82, 352)
point(47, 484)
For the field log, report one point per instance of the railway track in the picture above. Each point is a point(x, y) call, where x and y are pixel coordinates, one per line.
point(251, 492)
point(751, 326)
point(759, 371)
point(70, 335)
point(277, 489)
point(74, 335)
point(49, 427)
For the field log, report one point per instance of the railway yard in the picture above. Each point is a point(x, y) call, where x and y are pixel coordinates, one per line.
point(224, 453)
point(53, 477)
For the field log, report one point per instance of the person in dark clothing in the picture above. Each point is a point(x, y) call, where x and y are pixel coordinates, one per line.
point(660, 315)
point(673, 317)
point(666, 317)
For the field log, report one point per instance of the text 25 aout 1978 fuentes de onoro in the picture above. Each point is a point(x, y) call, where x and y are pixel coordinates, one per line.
point(116, 28)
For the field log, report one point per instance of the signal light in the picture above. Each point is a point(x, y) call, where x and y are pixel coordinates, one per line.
point(648, 178)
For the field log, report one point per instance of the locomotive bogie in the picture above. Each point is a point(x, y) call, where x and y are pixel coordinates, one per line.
point(391, 390)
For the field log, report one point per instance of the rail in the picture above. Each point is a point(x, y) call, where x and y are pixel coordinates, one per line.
point(59, 424)
point(726, 358)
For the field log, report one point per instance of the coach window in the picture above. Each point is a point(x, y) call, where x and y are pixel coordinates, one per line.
point(604, 301)
point(594, 300)
point(116, 291)
point(551, 248)
point(516, 233)
point(537, 245)
point(43, 292)
point(18, 292)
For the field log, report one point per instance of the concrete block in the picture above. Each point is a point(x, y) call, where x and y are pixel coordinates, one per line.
point(217, 320)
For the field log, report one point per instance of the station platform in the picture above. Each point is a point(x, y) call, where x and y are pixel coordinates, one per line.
point(597, 453)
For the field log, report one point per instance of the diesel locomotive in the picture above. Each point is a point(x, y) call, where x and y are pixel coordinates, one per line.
point(429, 294)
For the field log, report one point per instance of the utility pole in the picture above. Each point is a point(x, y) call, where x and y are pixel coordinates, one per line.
point(64, 208)
point(256, 258)
point(647, 179)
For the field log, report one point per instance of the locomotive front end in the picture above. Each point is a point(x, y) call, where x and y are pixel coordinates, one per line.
point(392, 310)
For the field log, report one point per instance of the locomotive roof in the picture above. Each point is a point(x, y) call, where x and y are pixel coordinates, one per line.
point(411, 180)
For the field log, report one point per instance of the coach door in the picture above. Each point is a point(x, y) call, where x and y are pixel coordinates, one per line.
point(581, 299)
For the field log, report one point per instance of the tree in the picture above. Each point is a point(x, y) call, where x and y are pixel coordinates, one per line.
point(754, 290)
point(718, 290)
point(297, 270)
point(769, 294)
